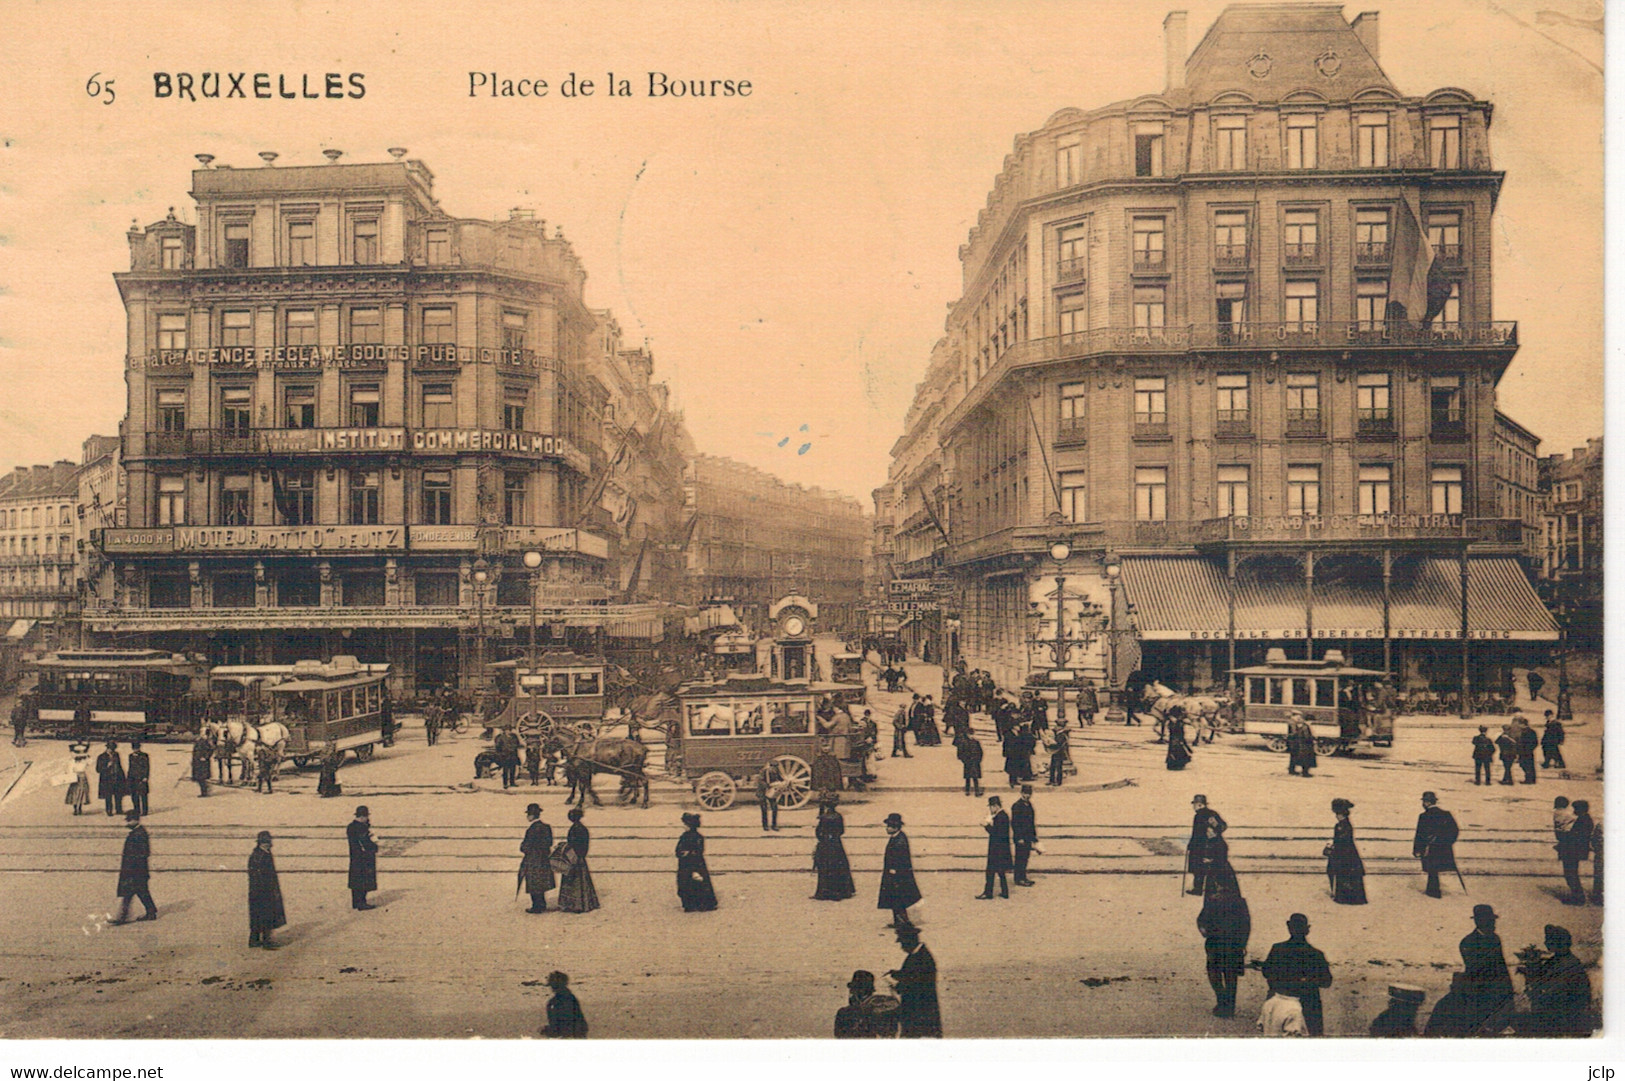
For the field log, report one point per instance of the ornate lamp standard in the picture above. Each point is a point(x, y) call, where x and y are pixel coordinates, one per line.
point(1061, 645)
point(482, 574)
point(533, 562)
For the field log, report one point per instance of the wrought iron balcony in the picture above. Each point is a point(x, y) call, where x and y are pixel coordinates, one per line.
point(1230, 255)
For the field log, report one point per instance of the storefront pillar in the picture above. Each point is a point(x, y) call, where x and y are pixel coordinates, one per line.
point(1466, 684)
point(1230, 604)
point(1387, 600)
point(1309, 605)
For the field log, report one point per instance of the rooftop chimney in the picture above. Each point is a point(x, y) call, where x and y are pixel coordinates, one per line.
point(268, 157)
point(522, 213)
point(204, 159)
point(332, 156)
point(1365, 28)
point(1173, 41)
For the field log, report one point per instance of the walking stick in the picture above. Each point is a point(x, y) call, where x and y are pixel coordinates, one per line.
point(1184, 869)
point(1463, 881)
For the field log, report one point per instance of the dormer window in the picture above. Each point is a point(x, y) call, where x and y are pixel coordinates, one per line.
point(173, 253)
point(1230, 143)
point(1148, 149)
point(236, 245)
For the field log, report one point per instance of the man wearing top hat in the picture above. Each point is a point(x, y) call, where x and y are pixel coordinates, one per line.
point(1024, 833)
point(137, 778)
point(919, 1015)
point(110, 779)
point(135, 871)
point(1196, 847)
point(1435, 841)
point(898, 889)
point(363, 860)
point(535, 866)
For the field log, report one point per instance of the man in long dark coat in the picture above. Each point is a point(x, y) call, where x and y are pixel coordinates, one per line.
point(536, 868)
point(898, 890)
point(202, 755)
point(1508, 744)
point(134, 871)
point(1435, 841)
point(1483, 756)
point(1024, 833)
point(110, 778)
point(969, 750)
point(1226, 925)
point(265, 911)
point(1551, 743)
point(1574, 846)
point(1528, 744)
point(138, 778)
point(506, 746)
point(999, 860)
point(919, 1015)
point(1196, 848)
point(1486, 983)
point(363, 859)
point(1297, 969)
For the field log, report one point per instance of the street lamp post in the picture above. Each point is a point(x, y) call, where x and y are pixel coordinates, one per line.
point(533, 562)
point(1114, 707)
point(482, 573)
point(1565, 700)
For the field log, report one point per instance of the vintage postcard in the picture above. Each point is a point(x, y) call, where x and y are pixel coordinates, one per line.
point(766, 521)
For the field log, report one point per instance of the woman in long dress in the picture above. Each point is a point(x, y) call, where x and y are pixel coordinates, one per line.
point(1344, 867)
point(1179, 752)
point(693, 877)
point(79, 788)
point(829, 855)
point(576, 893)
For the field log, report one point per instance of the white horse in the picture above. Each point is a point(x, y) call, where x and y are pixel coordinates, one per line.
point(1204, 712)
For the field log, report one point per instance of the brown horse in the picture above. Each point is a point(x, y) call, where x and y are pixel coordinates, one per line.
point(624, 758)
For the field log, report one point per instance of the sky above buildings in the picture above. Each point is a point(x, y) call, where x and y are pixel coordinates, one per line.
point(789, 256)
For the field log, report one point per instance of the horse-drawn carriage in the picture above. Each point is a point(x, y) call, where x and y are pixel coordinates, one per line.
point(729, 731)
point(129, 693)
point(733, 651)
point(1344, 705)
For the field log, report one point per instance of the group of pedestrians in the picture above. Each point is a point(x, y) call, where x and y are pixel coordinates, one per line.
point(1516, 746)
point(115, 778)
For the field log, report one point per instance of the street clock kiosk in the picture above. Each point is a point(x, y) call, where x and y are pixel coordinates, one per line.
point(792, 619)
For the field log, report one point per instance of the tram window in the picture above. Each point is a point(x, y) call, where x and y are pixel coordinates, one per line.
point(749, 720)
point(791, 719)
point(1300, 692)
point(560, 683)
point(709, 720)
point(587, 683)
point(374, 698)
point(1277, 691)
point(1325, 692)
point(332, 705)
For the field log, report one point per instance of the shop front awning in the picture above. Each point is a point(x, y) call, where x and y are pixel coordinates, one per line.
point(19, 629)
point(711, 619)
point(1184, 598)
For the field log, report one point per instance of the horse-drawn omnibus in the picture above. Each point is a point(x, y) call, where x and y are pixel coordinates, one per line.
point(733, 651)
point(566, 686)
point(130, 693)
point(846, 669)
point(727, 732)
point(1344, 705)
point(338, 704)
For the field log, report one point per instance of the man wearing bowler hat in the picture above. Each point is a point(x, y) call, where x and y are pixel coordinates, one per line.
point(363, 860)
point(135, 871)
point(919, 1015)
point(1297, 969)
point(1435, 841)
point(1196, 847)
point(1486, 984)
point(535, 866)
point(898, 889)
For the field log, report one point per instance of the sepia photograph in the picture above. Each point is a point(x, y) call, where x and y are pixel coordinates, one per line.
point(1058, 520)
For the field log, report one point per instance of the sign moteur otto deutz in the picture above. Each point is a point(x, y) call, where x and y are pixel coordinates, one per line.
point(662, 527)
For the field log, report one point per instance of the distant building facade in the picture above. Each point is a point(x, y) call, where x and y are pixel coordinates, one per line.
point(755, 539)
point(1572, 542)
point(1518, 496)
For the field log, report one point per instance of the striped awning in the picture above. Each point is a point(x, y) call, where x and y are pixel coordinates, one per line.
point(1183, 598)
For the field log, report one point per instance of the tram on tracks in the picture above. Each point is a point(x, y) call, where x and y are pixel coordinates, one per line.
point(130, 694)
point(245, 689)
point(337, 705)
point(1345, 706)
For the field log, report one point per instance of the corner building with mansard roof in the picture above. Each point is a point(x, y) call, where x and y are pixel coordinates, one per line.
point(350, 415)
point(1233, 343)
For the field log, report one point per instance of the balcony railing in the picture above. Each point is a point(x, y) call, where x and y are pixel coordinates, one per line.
point(1374, 424)
point(1150, 260)
point(1233, 422)
point(1073, 429)
point(1230, 255)
point(1372, 252)
point(1301, 254)
point(1072, 270)
point(1288, 529)
point(1447, 253)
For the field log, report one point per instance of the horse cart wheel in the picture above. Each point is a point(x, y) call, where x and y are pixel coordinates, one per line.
point(796, 778)
point(1276, 743)
point(363, 752)
point(300, 761)
point(716, 791)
